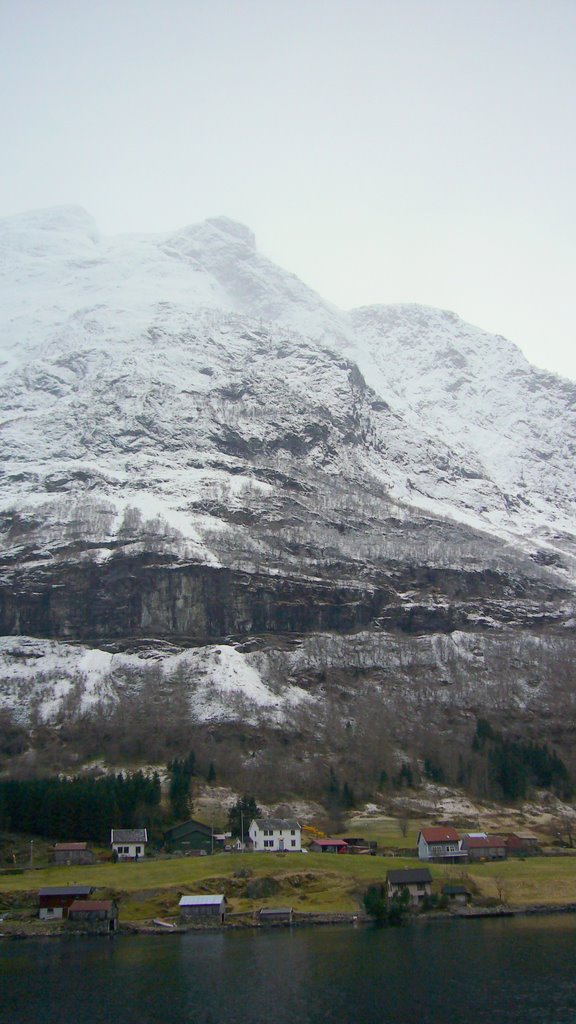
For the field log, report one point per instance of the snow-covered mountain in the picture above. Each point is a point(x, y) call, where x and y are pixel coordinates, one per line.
point(196, 446)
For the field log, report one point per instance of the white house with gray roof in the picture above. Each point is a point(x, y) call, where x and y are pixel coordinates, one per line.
point(275, 835)
point(128, 843)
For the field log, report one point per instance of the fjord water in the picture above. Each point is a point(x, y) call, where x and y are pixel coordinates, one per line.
point(505, 970)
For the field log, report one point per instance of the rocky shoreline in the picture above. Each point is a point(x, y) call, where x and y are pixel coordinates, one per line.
point(35, 930)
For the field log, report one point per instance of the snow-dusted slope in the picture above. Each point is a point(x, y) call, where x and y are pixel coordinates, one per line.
point(143, 370)
point(514, 424)
point(304, 504)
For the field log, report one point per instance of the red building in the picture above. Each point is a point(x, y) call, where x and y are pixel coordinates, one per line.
point(521, 844)
point(328, 846)
point(56, 900)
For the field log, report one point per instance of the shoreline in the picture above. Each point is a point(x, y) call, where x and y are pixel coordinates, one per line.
point(355, 920)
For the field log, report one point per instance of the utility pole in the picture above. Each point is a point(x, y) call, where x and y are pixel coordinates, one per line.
point(242, 827)
point(31, 853)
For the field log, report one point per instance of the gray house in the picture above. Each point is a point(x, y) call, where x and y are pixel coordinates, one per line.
point(198, 907)
point(275, 915)
point(416, 881)
point(73, 853)
point(456, 895)
point(94, 915)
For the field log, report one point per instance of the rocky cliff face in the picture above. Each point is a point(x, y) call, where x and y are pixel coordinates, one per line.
point(207, 466)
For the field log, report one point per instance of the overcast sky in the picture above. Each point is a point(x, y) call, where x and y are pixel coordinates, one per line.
point(383, 150)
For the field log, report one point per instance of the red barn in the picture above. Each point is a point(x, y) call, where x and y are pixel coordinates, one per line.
point(55, 900)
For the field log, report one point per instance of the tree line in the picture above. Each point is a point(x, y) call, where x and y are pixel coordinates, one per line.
point(80, 807)
point(514, 766)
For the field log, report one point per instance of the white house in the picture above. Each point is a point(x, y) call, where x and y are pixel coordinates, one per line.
point(440, 843)
point(128, 843)
point(280, 834)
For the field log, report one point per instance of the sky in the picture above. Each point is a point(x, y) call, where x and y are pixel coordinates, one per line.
point(382, 150)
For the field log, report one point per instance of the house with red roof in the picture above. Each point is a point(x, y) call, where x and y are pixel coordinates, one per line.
point(480, 846)
point(521, 844)
point(440, 843)
point(328, 846)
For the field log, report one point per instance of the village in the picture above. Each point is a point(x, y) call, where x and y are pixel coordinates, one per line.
point(203, 878)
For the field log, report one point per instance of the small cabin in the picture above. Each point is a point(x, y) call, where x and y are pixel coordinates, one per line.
point(128, 843)
point(456, 895)
point(417, 882)
point(73, 853)
point(275, 915)
point(94, 915)
point(198, 907)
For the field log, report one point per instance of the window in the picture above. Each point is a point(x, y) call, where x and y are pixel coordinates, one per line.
point(293, 832)
point(138, 849)
point(268, 842)
point(293, 842)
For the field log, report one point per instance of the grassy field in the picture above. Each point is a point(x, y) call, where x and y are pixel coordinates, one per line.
point(315, 882)
point(386, 831)
point(548, 880)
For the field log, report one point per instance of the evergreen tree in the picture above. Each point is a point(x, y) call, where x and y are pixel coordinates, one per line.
point(241, 814)
point(181, 772)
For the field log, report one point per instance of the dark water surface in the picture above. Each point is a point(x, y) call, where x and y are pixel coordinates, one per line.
point(451, 972)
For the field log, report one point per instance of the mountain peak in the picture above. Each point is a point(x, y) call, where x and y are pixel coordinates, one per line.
point(235, 229)
point(53, 220)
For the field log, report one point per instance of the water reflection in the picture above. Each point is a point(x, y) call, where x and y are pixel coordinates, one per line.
point(433, 973)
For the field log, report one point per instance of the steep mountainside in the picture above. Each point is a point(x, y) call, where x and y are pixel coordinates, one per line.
point(222, 495)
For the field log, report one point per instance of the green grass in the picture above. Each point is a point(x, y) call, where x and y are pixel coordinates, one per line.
point(547, 880)
point(386, 831)
point(314, 882)
point(185, 871)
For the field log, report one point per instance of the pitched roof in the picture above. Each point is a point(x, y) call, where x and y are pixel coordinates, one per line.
point(455, 890)
point(70, 846)
point(128, 835)
point(201, 901)
point(66, 890)
point(409, 876)
point(186, 827)
point(88, 905)
point(276, 823)
point(483, 842)
point(440, 834)
point(328, 842)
